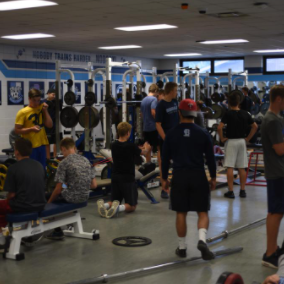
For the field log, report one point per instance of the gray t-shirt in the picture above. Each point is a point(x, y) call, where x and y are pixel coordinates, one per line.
point(147, 105)
point(76, 172)
point(272, 130)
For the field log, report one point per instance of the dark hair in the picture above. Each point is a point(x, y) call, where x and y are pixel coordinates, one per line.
point(51, 91)
point(234, 99)
point(24, 147)
point(170, 87)
point(276, 91)
point(34, 93)
point(246, 89)
point(67, 143)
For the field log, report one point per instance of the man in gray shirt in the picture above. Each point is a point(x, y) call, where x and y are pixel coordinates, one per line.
point(272, 130)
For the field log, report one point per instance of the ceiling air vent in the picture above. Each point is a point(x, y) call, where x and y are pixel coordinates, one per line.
point(228, 15)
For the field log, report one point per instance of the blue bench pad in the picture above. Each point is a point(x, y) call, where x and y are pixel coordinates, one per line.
point(21, 217)
point(60, 207)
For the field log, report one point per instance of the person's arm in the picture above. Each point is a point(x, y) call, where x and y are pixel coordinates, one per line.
point(220, 132)
point(10, 185)
point(166, 157)
point(145, 149)
point(46, 117)
point(210, 158)
point(94, 183)
point(153, 112)
point(160, 130)
point(274, 132)
point(252, 131)
point(55, 192)
point(159, 119)
point(19, 129)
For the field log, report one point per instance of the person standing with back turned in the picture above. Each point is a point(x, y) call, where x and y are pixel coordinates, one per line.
point(272, 130)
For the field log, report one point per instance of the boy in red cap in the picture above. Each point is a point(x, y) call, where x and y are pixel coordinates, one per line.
point(186, 144)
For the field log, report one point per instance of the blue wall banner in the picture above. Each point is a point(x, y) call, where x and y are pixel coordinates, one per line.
point(37, 85)
point(15, 92)
point(78, 93)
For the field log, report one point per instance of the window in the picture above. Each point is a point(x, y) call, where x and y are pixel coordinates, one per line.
point(203, 65)
point(273, 64)
point(223, 65)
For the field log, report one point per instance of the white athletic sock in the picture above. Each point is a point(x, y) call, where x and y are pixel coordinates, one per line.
point(2, 239)
point(121, 208)
point(202, 235)
point(181, 243)
point(106, 205)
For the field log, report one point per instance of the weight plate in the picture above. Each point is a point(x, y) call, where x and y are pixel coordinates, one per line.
point(264, 108)
point(218, 111)
point(70, 98)
point(3, 169)
point(239, 93)
point(207, 112)
point(234, 279)
point(104, 173)
point(216, 98)
point(69, 117)
point(132, 241)
point(90, 98)
point(160, 84)
point(89, 116)
point(223, 277)
point(255, 109)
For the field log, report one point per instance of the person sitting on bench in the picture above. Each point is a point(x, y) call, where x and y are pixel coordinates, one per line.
point(25, 184)
point(74, 177)
point(123, 184)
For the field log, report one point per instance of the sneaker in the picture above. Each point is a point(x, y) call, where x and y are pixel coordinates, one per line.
point(113, 209)
point(181, 252)
point(271, 261)
point(243, 193)
point(229, 194)
point(101, 208)
point(56, 235)
point(205, 251)
point(164, 195)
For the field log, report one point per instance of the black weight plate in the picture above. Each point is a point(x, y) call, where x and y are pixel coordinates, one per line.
point(216, 98)
point(132, 241)
point(69, 117)
point(239, 93)
point(223, 277)
point(90, 98)
point(218, 111)
point(89, 115)
point(264, 108)
point(207, 112)
point(70, 98)
point(255, 109)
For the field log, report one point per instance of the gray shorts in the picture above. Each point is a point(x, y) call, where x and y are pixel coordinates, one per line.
point(236, 154)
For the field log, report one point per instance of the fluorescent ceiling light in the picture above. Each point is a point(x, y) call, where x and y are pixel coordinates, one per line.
point(182, 54)
point(24, 4)
point(146, 28)
point(27, 36)
point(269, 50)
point(222, 41)
point(120, 47)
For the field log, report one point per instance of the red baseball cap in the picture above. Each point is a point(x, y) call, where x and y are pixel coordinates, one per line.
point(188, 107)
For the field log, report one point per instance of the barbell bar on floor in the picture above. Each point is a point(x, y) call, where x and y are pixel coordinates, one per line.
point(226, 233)
point(105, 277)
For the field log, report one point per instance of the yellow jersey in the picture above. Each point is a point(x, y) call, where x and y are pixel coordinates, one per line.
point(29, 117)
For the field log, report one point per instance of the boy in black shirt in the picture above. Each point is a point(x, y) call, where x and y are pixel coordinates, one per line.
point(237, 122)
point(25, 185)
point(247, 102)
point(166, 117)
point(123, 184)
point(185, 144)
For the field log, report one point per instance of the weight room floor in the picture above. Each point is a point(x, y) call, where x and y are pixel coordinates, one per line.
point(77, 259)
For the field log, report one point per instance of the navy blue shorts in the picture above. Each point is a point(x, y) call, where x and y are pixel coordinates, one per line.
point(275, 195)
point(39, 154)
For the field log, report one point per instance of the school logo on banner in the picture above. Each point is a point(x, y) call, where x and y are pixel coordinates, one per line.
point(15, 93)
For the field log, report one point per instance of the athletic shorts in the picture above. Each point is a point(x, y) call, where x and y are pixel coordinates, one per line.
point(39, 154)
point(190, 191)
point(124, 190)
point(236, 154)
point(275, 195)
point(151, 137)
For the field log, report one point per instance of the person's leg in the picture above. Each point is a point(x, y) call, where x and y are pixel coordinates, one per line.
point(272, 227)
point(230, 178)
point(243, 175)
point(130, 195)
point(128, 208)
point(47, 149)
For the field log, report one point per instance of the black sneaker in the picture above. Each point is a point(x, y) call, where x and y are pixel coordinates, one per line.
point(271, 261)
point(181, 252)
point(56, 235)
point(229, 194)
point(243, 193)
point(205, 251)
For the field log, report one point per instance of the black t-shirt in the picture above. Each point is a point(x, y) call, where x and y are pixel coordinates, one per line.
point(26, 179)
point(123, 156)
point(237, 122)
point(167, 114)
point(246, 104)
point(185, 145)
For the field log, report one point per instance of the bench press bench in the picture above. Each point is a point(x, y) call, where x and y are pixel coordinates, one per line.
point(57, 214)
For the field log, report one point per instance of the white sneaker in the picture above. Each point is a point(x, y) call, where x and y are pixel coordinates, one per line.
point(101, 208)
point(113, 209)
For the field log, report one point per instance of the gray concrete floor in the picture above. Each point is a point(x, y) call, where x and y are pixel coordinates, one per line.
point(76, 259)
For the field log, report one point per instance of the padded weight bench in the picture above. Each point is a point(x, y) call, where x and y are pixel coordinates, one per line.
point(140, 179)
point(103, 188)
point(54, 215)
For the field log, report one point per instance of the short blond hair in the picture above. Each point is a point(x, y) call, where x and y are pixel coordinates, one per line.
point(123, 128)
point(153, 88)
point(34, 93)
point(67, 143)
